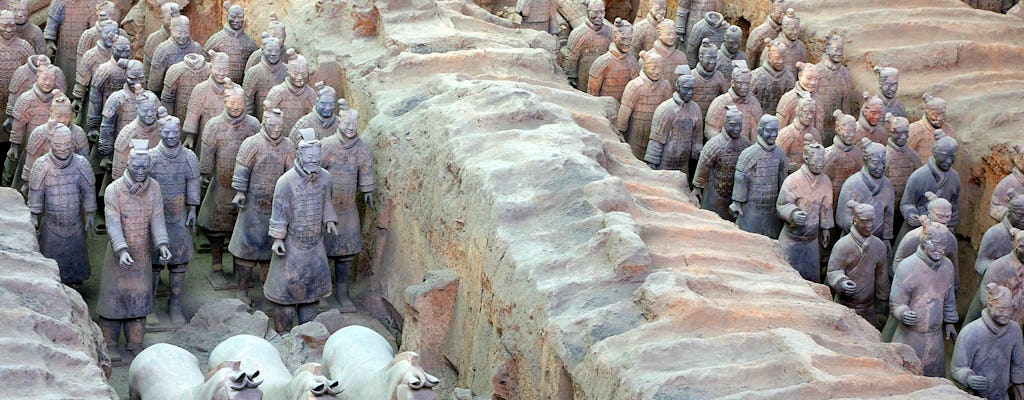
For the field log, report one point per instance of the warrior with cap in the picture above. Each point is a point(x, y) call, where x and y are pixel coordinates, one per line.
point(168, 11)
point(791, 138)
point(717, 165)
point(144, 127)
point(294, 97)
point(843, 158)
point(806, 86)
point(671, 58)
point(119, 110)
point(180, 82)
point(888, 85)
point(322, 118)
point(870, 125)
point(936, 176)
point(795, 50)
point(262, 77)
point(760, 171)
point(869, 186)
point(277, 30)
point(901, 159)
point(613, 70)
point(105, 11)
point(22, 80)
point(708, 82)
point(109, 77)
point(206, 101)
point(29, 32)
point(988, 356)
point(771, 80)
point(171, 52)
point(587, 42)
point(39, 140)
point(769, 29)
point(100, 53)
point(642, 96)
point(922, 132)
point(1014, 181)
point(1008, 271)
point(677, 133)
point(30, 110)
point(646, 29)
point(712, 26)
point(834, 85)
point(738, 95)
point(13, 52)
point(729, 51)
point(233, 41)
point(856, 267)
point(805, 207)
point(997, 242)
point(65, 23)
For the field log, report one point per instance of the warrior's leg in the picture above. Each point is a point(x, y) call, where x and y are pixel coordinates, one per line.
point(216, 251)
point(135, 332)
point(264, 270)
point(307, 312)
point(341, 267)
point(243, 271)
point(177, 281)
point(284, 317)
point(157, 269)
point(111, 329)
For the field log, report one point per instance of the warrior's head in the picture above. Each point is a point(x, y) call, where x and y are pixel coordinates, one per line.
point(46, 78)
point(20, 10)
point(667, 32)
point(622, 35)
point(277, 29)
point(220, 64)
point(944, 150)
point(298, 68)
point(740, 84)
point(121, 49)
point(806, 111)
point(809, 75)
point(934, 110)
point(767, 129)
point(234, 99)
point(138, 161)
point(733, 122)
point(235, 15)
point(939, 209)
point(307, 151)
point(147, 106)
point(834, 48)
point(657, 11)
point(168, 11)
point(791, 25)
point(871, 110)
point(350, 124)
point(899, 129)
point(814, 155)
point(651, 64)
point(108, 32)
point(135, 72)
point(874, 158)
point(778, 11)
point(776, 54)
point(684, 86)
point(326, 100)
point(846, 127)
point(733, 37)
point(273, 122)
point(888, 81)
point(933, 238)
point(170, 130)
point(61, 144)
point(595, 13)
point(1015, 209)
point(863, 217)
point(707, 55)
point(60, 109)
point(1000, 300)
point(180, 30)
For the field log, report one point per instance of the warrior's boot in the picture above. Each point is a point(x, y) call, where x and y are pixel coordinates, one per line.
point(284, 317)
point(216, 252)
point(341, 266)
point(307, 312)
point(243, 271)
point(177, 280)
point(134, 332)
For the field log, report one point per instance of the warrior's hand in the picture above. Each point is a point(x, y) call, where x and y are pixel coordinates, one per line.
point(35, 220)
point(93, 136)
point(190, 142)
point(278, 247)
point(239, 200)
point(8, 123)
point(848, 288)
point(799, 217)
point(332, 227)
point(950, 332)
point(913, 221)
point(76, 105)
point(126, 259)
point(736, 209)
point(909, 318)
point(190, 219)
point(1018, 392)
point(824, 238)
point(12, 153)
point(368, 199)
point(165, 253)
point(978, 383)
point(90, 225)
point(51, 48)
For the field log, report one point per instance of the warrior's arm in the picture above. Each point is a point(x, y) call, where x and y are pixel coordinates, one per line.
point(785, 206)
point(208, 159)
point(249, 88)
point(279, 210)
point(157, 229)
point(95, 117)
point(328, 212)
point(112, 211)
point(960, 364)
point(54, 19)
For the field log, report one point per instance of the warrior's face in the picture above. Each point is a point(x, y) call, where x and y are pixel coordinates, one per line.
point(732, 42)
point(595, 13)
point(889, 86)
point(235, 105)
point(733, 124)
point(834, 52)
point(47, 79)
point(778, 11)
point(236, 18)
point(121, 50)
point(899, 135)
point(934, 246)
point(135, 77)
point(138, 168)
point(847, 133)
point(741, 87)
point(20, 11)
point(309, 158)
point(809, 79)
point(684, 87)
point(875, 164)
point(940, 214)
point(708, 60)
point(298, 72)
point(624, 40)
point(108, 34)
point(61, 114)
point(657, 11)
point(805, 113)
point(652, 68)
point(272, 53)
point(348, 129)
point(1016, 218)
point(944, 158)
point(61, 146)
point(1018, 160)
point(170, 134)
point(936, 116)
point(776, 59)
point(325, 105)
point(815, 162)
point(873, 114)
point(274, 127)
point(218, 71)
point(863, 224)
point(168, 12)
point(769, 131)
point(7, 27)
point(147, 112)
point(667, 36)
point(791, 28)
point(1000, 311)
point(180, 34)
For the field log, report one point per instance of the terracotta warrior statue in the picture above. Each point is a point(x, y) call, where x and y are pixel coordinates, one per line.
point(922, 132)
point(277, 30)
point(642, 96)
point(262, 77)
point(222, 137)
point(771, 80)
point(870, 125)
point(168, 11)
point(171, 52)
point(760, 171)
point(791, 138)
point(13, 51)
point(987, 356)
point(729, 51)
point(22, 80)
point(233, 41)
point(1006, 271)
point(119, 111)
point(134, 211)
point(856, 267)
point(541, 15)
point(321, 119)
point(350, 162)
point(587, 42)
point(262, 159)
point(888, 85)
point(936, 176)
point(368, 368)
point(179, 82)
point(109, 77)
point(258, 354)
point(869, 186)
point(712, 26)
point(790, 36)
point(613, 70)
point(690, 13)
point(923, 300)
point(65, 23)
point(708, 81)
point(901, 160)
point(87, 65)
point(939, 211)
point(805, 207)
point(206, 101)
point(671, 58)
point(646, 29)
point(739, 95)
point(717, 165)
point(105, 11)
point(806, 86)
point(144, 127)
point(30, 110)
point(677, 134)
point(997, 242)
point(843, 158)
point(294, 96)
point(834, 85)
point(770, 28)
point(62, 200)
point(1014, 181)
point(24, 30)
point(39, 140)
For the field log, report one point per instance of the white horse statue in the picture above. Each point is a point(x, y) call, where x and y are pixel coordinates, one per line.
point(167, 372)
point(257, 353)
point(367, 367)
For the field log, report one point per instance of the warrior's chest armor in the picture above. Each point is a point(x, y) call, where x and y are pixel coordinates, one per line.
point(171, 174)
point(764, 180)
point(79, 16)
point(136, 213)
point(269, 166)
point(63, 203)
point(304, 230)
point(725, 168)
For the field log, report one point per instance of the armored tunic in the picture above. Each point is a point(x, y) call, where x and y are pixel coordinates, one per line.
point(714, 118)
point(350, 163)
point(61, 193)
point(645, 33)
point(641, 97)
point(221, 139)
point(875, 133)
point(893, 106)
point(152, 41)
point(259, 79)
point(39, 144)
point(864, 188)
point(586, 43)
point(841, 162)
point(925, 287)
point(717, 166)
point(862, 260)
point(31, 110)
point(791, 141)
point(89, 39)
point(995, 352)
point(177, 171)
point(676, 135)
point(1007, 271)
point(181, 79)
point(833, 94)
point(999, 204)
point(909, 244)
point(123, 144)
point(206, 102)
point(995, 243)
point(704, 28)
point(259, 163)
point(786, 109)
point(109, 78)
point(541, 15)
point(697, 10)
point(12, 53)
point(755, 40)
point(760, 172)
point(768, 85)
point(670, 59)
point(611, 72)
point(707, 86)
point(86, 68)
point(921, 137)
point(135, 223)
point(237, 45)
point(167, 54)
point(294, 102)
point(22, 81)
point(324, 128)
point(795, 52)
point(928, 178)
point(119, 110)
point(31, 33)
point(71, 18)
point(811, 194)
point(725, 61)
point(900, 162)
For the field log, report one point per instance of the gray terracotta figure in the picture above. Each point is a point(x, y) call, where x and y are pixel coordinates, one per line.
point(708, 81)
point(612, 71)
point(922, 132)
point(39, 140)
point(222, 137)
point(277, 30)
point(901, 160)
point(760, 171)
point(791, 137)
point(171, 51)
point(262, 77)
point(119, 110)
point(834, 85)
point(730, 51)
point(62, 200)
point(936, 176)
point(671, 58)
point(998, 205)
point(30, 110)
point(712, 26)
point(843, 158)
point(1007, 271)
point(179, 82)
point(646, 30)
point(145, 126)
point(350, 162)
point(988, 357)
point(65, 23)
point(586, 43)
point(997, 242)
point(689, 14)
point(322, 118)
point(642, 96)
point(770, 28)
point(739, 95)
point(923, 300)
point(261, 160)
point(541, 15)
point(856, 267)
point(22, 81)
point(771, 80)
point(109, 77)
point(294, 96)
point(13, 53)
point(206, 101)
point(105, 11)
point(677, 132)
point(717, 165)
point(176, 169)
point(939, 211)
point(168, 11)
point(869, 186)
point(805, 207)
point(790, 36)
point(869, 124)
point(888, 85)
point(233, 41)
point(87, 65)
point(806, 85)
point(29, 32)
point(134, 210)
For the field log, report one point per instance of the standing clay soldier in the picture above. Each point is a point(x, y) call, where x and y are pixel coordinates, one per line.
point(30, 110)
point(587, 42)
point(738, 95)
point(923, 300)
point(794, 50)
point(100, 53)
point(843, 158)
point(179, 82)
point(834, 85)
point(350, 163)
point(105, 11)
point(29, 32)
point(805, 207)
point(120, 109)
point(936, 176)
point(869, 186)
point(712, 26)
point(642, 96)
point(275, 29)
point(988, 356)
point(760, 171)
point(730, 51)
point(791, 138)
point(541, 15)
point(65, 23)
point(769, 29)
point(717, 165)
point(677, 133)
point(922, 132)
point(1006, 271)
point(856, 267)
point(293, 96)
point(708, 82)
point(62, 200)
point(206, 101)
point(262, 77)
point(888, 85)
point(997, 242)
point(13, 51)
point(806, 86)
point(610, 72)
point(171, 52)
point(670, 57)
point(771, 80)
point(321, 119)
point(168, 11)
point(1014, 181)
point(869, 125)
point(646, 30)
point(134, 210)
point(262, 159)
point(109, 78)
point(901, 160)
point(23, 79)
point(233, 41)
point(39, 140)
point(689, 13)
point(144, 127)
point(939, 211)
point(176, 169)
